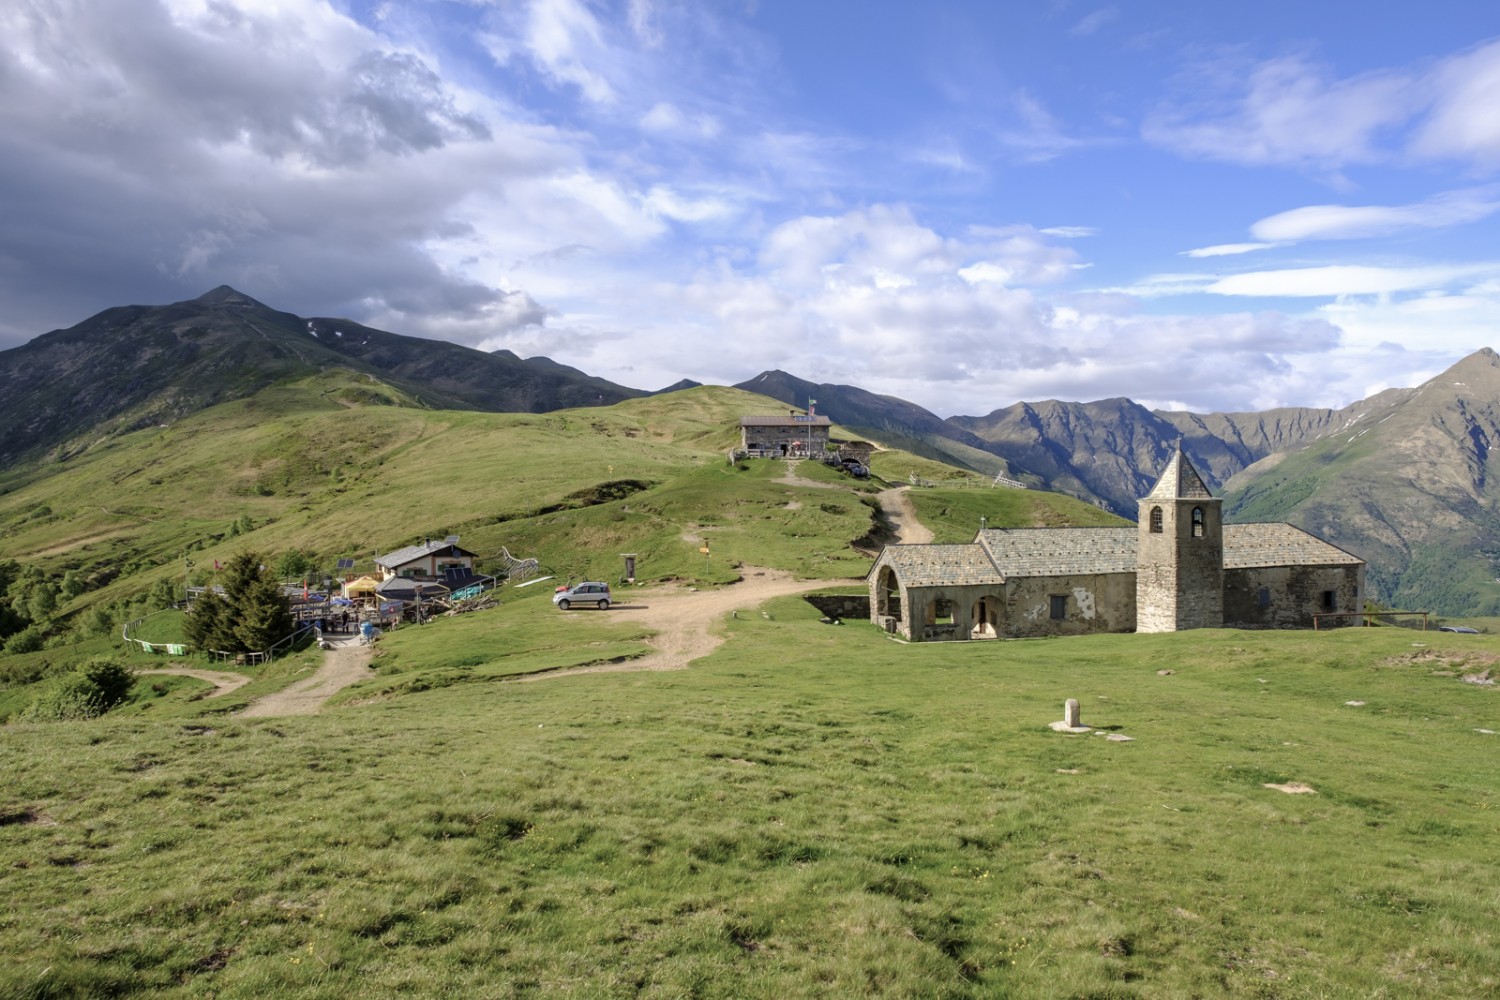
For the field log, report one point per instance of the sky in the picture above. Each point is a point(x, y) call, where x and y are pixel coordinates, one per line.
point(964, 204)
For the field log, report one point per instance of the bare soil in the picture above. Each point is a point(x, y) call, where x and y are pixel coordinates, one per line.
point(903, 516)
point(222, 680)
point(687, 621)
point(343, 665)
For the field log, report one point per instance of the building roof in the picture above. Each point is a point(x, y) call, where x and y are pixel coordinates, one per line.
point(1180, 481)
point(401, 557)
point(999, 554)
point(940, 565)
point(815, 421)
point(1247, 546)
point(1060, 551)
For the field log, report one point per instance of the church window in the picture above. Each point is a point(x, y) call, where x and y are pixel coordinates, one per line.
point(1197, 522)
point(1265, 597)
point(1330, 600)
point(1059, 606)
point(1155, 520)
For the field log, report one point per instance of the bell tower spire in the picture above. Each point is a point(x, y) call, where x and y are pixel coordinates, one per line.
point(1179, 577)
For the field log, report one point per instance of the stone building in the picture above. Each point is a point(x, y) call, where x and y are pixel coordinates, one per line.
point(1180, 567)
point(795, 435)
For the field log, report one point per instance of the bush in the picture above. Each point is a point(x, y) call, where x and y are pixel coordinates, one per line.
point(28, 640)
point(86, 693)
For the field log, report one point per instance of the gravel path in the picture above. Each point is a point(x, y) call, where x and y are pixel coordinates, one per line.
point(344, 664)
point(903, 516)
point(687, 621)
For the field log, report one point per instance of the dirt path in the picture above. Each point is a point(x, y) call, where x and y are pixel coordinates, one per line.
point(686, 621)
point(903, 516)
point(346, 663)
point(792, 479)
point(223, 681)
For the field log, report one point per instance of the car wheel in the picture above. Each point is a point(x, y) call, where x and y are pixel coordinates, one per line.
point(563, 605)
point(603, 605)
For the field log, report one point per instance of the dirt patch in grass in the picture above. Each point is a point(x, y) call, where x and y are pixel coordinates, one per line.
point(1293, 788)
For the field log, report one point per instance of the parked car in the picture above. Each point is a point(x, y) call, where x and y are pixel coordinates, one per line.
point(1458, 628)
point(591, 593)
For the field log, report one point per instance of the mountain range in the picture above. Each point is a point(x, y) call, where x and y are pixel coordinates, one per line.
point(1401, 479)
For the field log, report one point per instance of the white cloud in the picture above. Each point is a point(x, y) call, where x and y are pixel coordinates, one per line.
point(1095, 20)
point(1464, 122)
point(1069, 232)
point(1342, 222)
point(1336, 280)
point(1228, 249)
point(1284, 112)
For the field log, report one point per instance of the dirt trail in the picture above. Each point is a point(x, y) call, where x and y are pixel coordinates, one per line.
point(686, 620)
point(223, 681)
point(345, 663)
point(792, 479)
point(903, 516)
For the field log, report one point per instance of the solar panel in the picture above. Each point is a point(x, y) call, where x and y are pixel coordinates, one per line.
point(452, 573)
point(346, 564)
point(452, 539)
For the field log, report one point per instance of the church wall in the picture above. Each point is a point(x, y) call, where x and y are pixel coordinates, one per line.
point(1091, 603)
point(1289, 596)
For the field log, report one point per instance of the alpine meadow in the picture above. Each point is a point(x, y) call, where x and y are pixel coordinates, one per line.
point(714, 788)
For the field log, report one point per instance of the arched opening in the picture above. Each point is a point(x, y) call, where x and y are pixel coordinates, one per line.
point(887, 594)
point(1197, 522)
point(986, 619)
point(1155, 520)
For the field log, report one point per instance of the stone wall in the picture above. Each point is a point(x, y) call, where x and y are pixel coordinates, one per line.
point(1289, 596)
point(1180, 575)
point(852, 606)
point(1091, 604)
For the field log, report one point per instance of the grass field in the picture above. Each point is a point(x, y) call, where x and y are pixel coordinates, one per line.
point(810, 812)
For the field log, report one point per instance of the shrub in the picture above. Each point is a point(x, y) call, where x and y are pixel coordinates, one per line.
point(28, 640)
point(86, 693)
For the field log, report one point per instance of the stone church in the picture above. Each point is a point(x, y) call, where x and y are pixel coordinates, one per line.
point(1180, 567)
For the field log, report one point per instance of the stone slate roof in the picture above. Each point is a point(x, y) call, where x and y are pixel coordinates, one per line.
point(817, 421)
point(1060, 551)
point(403, 556)
point(940, 565)
point(998, 554)
point(1180, 481)
point(1251, 545)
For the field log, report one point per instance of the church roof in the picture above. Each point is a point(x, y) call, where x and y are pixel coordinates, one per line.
point(999, 554)
point(1247, 546)
point(940, 565)
point(1059, 551)
point(1180, 481)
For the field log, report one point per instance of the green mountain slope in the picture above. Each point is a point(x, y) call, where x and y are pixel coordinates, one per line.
point(307, 466)
point(140, 366)
point(1408, 488)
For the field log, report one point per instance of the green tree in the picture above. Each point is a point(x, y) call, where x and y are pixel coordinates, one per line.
point(294, 565)
point(41, 602)
point(252, 615)
point(73, 584)
point(164, 593)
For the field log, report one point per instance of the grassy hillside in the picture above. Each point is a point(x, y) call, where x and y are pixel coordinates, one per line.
point(303, 467)
point(810, 812)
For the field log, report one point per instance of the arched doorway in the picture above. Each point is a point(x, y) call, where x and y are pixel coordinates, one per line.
point(887, 594)
point(986, 618)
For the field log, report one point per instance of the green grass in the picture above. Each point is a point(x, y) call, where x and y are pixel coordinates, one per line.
point(809, 812)
point(954, 514)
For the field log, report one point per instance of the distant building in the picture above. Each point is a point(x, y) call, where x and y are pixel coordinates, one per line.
point(792, 436)
point(430, 559)
point(1180, 567)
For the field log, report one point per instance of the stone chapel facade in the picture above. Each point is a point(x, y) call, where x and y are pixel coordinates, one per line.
point(1179, 567)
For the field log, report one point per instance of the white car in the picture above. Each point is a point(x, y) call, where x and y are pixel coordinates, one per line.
point(590, 594)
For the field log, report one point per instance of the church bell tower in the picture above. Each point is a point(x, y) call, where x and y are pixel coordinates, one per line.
point(1179, 576)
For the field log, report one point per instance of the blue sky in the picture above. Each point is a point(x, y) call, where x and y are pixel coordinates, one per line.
point(1202, 206)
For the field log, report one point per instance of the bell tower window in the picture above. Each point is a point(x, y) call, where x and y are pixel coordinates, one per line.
point(1197, 522)
point(1155, 520)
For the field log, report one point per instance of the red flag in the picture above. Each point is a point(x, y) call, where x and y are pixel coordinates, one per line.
point(304, 590)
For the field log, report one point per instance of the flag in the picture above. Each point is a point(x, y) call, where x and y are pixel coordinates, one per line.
point(304, 590)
